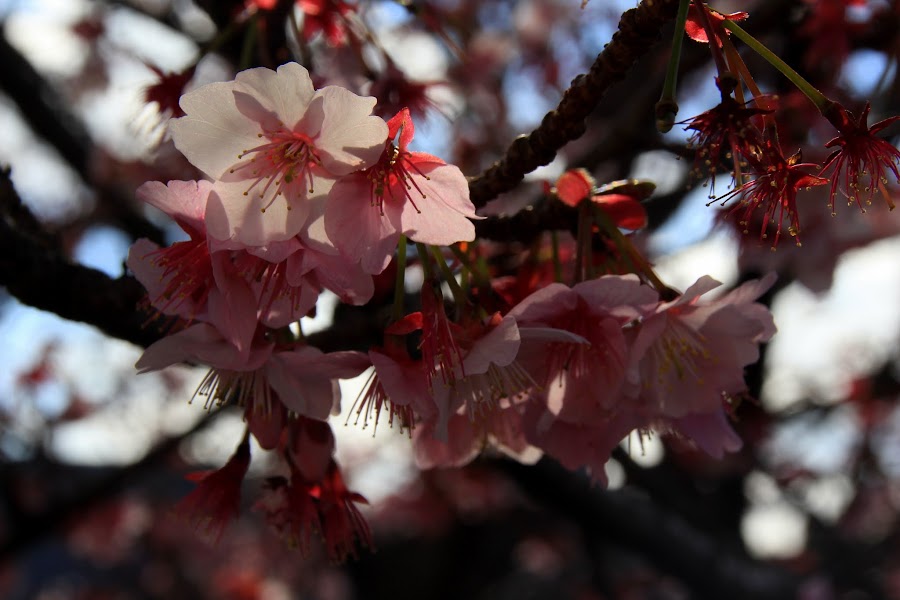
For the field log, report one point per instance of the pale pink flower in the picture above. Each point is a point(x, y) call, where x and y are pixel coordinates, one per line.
point(410, 193)
point(287, 277)
point(302, 378)
point(490, 377)
point(711, 432)
point(581, 382)
point(273, 145)
point(399, 385)
point(305, 378)
point(189, 279)
point(687, 357)
point(577, 445)
point(500, 428)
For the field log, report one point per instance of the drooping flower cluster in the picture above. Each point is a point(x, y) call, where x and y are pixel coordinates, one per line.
point(277, 222)
point(307, 190)
point(570, 371)
point(860, 165)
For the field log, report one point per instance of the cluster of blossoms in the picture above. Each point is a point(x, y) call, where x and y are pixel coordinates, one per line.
point(307, 190)
point(744, 132)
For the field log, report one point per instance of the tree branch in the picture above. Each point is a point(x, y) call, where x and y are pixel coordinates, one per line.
point(34, 270)
point(638, 29)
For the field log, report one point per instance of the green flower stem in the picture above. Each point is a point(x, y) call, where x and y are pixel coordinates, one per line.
point(582, 239)
point(667, 108)
point(400, 280)
point(557, 265)
point(249, 43)
point(458, 295)
point(630, 253)
point(427, 268)
point(815, 96)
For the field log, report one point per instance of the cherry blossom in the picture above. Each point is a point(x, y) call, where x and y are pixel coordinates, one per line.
point(860, 154)
point(410, 193)
point(688, 357)
point(581, 382)
point(274, 146)
point(216, 500)
point(302, 378)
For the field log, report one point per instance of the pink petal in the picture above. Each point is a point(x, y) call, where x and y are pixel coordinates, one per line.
point(357, 228)
point(213, 132)
point(286, 92)
point(203, 343)
point(184, 201)
point(230, 215)
point(445, 211)
point(499, 346)
point(620, 295)
point(545, 304)
point(351, 138)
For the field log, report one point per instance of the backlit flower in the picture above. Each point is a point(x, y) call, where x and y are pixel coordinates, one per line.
point(773, 189)
point(860, 155)
point(724, 131)
point(215, 502)
point(581, 382)
point(687, 356)
point(410, 193)
point(273, 144)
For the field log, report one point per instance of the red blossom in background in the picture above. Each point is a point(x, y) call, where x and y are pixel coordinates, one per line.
point(328, 17)
point(860, 155)
point(167, 90)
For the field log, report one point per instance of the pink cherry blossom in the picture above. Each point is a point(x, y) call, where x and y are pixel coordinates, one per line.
point(577, 445)
point(490, 377)
point(179, 277)
point(410, 193)
point(397, 384)
point(190, 279)
point(687, 357)
point(302, 378)
point(500, 428)
point(273, 144)
point(581, 382)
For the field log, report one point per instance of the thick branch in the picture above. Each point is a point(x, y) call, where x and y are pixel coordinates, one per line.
point(35, 271)
point(638, 29)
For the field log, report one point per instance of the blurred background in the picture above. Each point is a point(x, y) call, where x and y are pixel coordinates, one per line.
point(93, 457)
